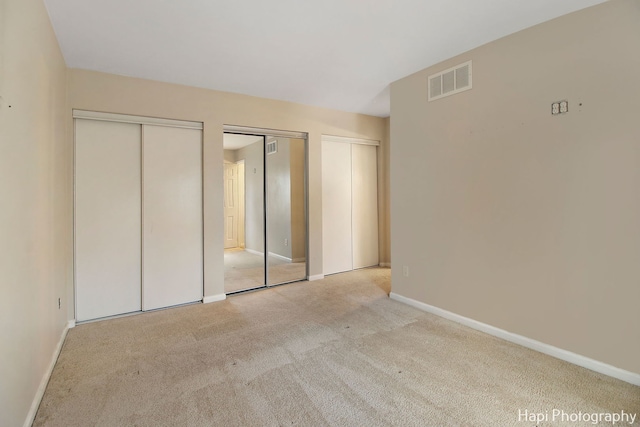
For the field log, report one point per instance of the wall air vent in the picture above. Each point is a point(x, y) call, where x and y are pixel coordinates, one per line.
point(448, 82)
point(272, 147)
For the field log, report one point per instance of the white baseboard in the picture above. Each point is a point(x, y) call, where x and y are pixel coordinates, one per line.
point(385, 264)
point(214, 298)
point(567, 356)
point(31, 416)
point(278, 256)
point(316, 277)
point(275, 255)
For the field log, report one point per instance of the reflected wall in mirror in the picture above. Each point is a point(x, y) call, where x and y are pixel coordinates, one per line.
point(286, 224)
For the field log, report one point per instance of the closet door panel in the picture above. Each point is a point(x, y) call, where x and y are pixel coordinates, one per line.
point(107, 218)
point(172, 216)
point(365, 205)
point(336, 207)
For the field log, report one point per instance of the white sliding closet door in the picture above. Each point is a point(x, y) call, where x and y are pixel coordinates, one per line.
point(349, 206)
point(107, 218)
point(364, 190)
point(337, 250)
point(172, 217)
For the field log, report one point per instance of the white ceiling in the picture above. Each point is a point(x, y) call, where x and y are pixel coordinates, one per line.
point(339, 54)
point(235, 142)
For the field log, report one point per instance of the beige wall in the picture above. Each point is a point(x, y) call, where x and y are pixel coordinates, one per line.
point(104, 92)
point(279, 199)
point(230, 156)
point(512, 217)
point(253, 156)
point(35, 217)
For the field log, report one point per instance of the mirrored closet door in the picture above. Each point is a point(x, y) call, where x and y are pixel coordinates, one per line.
point(265, 226)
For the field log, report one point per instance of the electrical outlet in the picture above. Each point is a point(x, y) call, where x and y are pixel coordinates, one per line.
point(564, 107)
point(405, 271)
point(559, 107)
point(59, 301)
point(286, 242)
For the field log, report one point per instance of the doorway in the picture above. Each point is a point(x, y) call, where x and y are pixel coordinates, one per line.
point(265, 200)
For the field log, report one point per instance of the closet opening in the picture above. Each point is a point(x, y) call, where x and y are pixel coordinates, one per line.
point(265, 208)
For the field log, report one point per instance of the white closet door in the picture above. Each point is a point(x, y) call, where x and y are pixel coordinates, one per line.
point(172, 217)
point(336, 207)
point(107, 218)
point(365, 205)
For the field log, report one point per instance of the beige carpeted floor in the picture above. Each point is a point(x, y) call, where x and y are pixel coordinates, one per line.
point(244, 270)
point(332, 352)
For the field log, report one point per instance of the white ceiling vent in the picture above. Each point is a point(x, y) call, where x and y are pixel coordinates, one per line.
point(272, 147)
point(448, 82)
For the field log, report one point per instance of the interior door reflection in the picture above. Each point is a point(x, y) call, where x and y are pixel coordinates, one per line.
point(244, 261)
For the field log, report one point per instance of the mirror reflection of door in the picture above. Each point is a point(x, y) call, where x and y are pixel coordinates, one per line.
point(264, 211)
point(231, 209)
point(244, 266)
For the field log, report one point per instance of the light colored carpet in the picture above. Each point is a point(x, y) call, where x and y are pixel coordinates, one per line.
point(245, 270)
point(332, 352)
